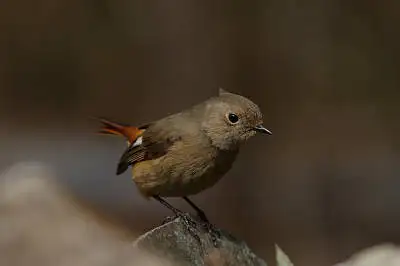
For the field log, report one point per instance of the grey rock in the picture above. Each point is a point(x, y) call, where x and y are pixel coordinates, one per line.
point(173, 243)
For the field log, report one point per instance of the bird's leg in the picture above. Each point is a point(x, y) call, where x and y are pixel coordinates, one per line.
point(199, 211)
point(186, 219)
point(214, 233)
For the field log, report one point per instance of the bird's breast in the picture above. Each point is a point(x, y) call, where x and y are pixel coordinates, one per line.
point(184, 171)
point(197, 173)
point(218, 168)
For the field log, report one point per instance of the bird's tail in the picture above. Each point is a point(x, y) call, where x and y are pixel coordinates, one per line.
point(131, 133)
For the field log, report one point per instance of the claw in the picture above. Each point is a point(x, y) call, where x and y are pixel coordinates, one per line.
point(168, 219)
point(190, 225)
point(214, 233)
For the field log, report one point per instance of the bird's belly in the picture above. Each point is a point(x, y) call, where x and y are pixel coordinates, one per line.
point(185, 178)
point(189, 185)
point(192, 180)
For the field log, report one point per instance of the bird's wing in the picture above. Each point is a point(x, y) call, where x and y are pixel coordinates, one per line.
point(152, 144)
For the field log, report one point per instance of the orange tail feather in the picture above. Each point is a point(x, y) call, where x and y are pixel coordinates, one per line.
point(131, 133)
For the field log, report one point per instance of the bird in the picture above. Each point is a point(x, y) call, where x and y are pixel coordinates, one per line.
point(187, 152)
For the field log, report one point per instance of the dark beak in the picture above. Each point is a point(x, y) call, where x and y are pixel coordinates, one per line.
point(262, 129)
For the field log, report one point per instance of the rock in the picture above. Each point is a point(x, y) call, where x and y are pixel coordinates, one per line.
point(173, 242)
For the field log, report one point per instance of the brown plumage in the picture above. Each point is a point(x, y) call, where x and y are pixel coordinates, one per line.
point(187, 152)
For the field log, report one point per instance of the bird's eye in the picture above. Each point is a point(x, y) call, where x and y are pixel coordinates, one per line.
point(233, 118)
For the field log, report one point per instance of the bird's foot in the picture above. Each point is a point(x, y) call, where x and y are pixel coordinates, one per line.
point(190, 224)
point(210, 228)
point(168, 219)
point(214, 233)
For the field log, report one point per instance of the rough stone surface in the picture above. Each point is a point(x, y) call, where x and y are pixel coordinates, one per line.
point(173, 242)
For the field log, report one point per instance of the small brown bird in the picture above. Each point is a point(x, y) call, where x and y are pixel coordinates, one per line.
point(187, 152)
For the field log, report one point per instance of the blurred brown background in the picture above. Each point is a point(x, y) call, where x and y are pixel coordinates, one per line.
point(325, 73)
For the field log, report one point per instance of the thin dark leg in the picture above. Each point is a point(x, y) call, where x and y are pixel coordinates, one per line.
point(214, 233)
point(186, 219)
point(169, 206)
point(199, 211)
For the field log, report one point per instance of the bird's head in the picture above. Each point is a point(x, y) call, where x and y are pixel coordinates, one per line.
point(230, 120)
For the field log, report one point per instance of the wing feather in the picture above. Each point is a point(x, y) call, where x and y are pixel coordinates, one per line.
point(150, 146)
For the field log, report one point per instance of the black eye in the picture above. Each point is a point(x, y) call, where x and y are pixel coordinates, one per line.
point(233, 118)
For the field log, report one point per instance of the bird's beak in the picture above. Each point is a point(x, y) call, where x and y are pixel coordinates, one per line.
point(262, 129)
